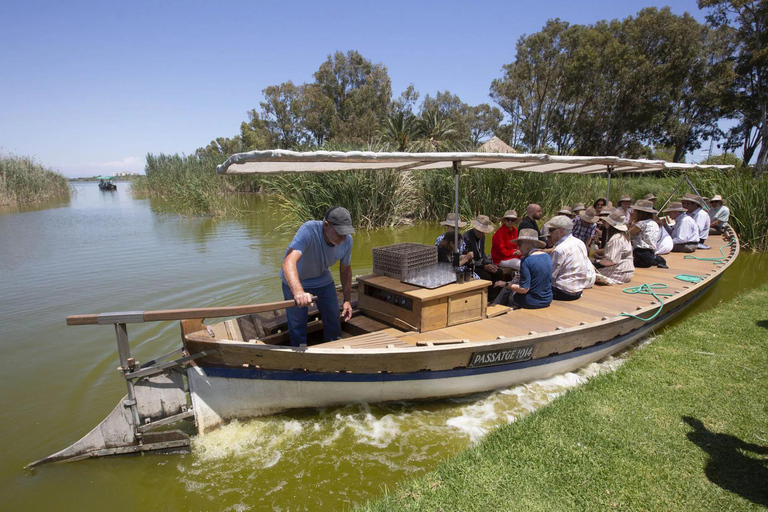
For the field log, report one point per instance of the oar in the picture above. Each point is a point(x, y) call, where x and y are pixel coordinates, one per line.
point(182, 314)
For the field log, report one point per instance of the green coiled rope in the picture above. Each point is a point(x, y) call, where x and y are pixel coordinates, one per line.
point(716, 261)
point(648, 289)
point(688, 278)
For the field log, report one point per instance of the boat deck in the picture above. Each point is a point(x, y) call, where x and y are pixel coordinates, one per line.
point(596, 304)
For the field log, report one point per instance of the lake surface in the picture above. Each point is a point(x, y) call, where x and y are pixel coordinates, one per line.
point(107, 251)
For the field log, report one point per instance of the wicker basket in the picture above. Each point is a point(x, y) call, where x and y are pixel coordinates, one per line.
point(400, 259)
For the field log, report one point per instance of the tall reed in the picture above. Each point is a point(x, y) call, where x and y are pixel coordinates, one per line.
point(189, 183)
point(22, 180)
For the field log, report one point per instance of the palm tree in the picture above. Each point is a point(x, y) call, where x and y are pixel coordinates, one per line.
point(435, 130)
point(400, 129)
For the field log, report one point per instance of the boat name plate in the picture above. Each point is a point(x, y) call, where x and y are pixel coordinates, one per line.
point(507, 355)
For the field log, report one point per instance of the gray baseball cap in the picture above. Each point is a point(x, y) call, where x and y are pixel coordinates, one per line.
point(340, 219)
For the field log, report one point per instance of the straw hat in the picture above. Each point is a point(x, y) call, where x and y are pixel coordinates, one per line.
point(589, 215)
point(717, 198)
point(577, 207)
point(617, 220)
point(450, 220)
point(560, 221)
point(606, 211)
point(625, 198)
point(483, 224)
point(675, 206)
point(643, 205)
point(510, 214)
point(693, 198)
point(649, 197)
point(529, 235)
point(565, 211)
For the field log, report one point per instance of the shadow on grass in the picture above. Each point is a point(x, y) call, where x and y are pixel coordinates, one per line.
point(729, 465)
point(762, 323)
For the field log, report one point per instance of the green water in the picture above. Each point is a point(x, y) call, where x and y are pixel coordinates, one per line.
point(107, 251)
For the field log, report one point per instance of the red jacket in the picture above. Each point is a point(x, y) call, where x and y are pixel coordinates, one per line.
point(502, 247)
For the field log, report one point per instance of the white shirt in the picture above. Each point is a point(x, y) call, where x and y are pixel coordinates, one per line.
point(648, 235)
point(664, 243)
point(721, 213)
point(702, 222)
point(685, 230)
point(572, 271)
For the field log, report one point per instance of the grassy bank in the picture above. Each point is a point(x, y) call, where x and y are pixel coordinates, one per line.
point(22, 180)
point(682, 426)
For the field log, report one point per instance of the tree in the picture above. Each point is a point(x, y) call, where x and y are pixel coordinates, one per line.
point(282, 112)
point(748, 19)
point(400, 129)
point(406, 101)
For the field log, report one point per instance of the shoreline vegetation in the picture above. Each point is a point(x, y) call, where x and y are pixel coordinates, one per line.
point(22, 181)
point(680, 426)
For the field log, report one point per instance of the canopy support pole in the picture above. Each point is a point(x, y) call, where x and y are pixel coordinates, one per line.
point(608, 192)
point(683, 179)
point(456, 257)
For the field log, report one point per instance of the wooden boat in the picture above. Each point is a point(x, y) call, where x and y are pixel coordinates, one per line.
point(107, 183)
point(403, 342)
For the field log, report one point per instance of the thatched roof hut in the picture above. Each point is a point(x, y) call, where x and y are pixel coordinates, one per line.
point(496, 145)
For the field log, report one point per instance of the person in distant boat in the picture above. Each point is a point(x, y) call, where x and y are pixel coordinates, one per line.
point(503, 251)
point(695, 207)
point(718, 215)
point(645, 234)
point(572, 272)
point(615, 263)
point(315, 247)
point(532, 215)
point(534, 290)
point(475, 242)
point(684, 232)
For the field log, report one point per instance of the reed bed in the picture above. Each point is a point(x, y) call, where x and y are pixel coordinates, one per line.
point(22, 180)
point(189, 183)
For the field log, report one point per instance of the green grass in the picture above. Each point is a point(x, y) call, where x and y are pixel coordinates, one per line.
point(22, 180)
point(682, 426)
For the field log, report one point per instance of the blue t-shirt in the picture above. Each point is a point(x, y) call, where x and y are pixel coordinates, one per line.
point(316, 255)
point(536, 275)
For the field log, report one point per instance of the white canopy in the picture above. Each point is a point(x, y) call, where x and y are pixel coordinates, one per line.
point(280, 161)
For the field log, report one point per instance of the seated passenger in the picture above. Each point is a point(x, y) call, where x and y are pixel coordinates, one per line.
point(599, 204)
point(645, 234)
point(616, 266)
point(503, 251)
point(695, 206)
point(534, 290)
point(475, 243)
point(572, 271)
point(532, 215)
point(584, 225)
point(718, 215)
point(565, 210)
point(650, 197)
point(577, 208)
point(684, 232)
point(663, 244)
point(445, 249)
point(624, 205)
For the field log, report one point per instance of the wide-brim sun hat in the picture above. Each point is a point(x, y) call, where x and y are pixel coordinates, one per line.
point(565, 211)
point(675, 206)
point(510, 214)
point(450, 220)
point(625, 198)
point(649, 197)
point(617, 220)
point(589, 215)
point(577, 207)
point(529, 235)
point(606, 211)
point(644, 205)
point(717, 199)
point(483, 224)
point(693, 198)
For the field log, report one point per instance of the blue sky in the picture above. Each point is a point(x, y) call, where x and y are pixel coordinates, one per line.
point(92, 87)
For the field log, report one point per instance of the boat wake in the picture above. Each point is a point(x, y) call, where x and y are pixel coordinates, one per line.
point(339, 457)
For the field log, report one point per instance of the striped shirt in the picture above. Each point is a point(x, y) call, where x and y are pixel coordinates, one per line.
point(572, 271)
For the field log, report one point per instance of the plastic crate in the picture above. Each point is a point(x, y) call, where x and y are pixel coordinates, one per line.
point(400, 259)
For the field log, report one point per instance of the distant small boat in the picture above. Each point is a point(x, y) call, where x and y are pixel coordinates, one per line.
point(107, 183)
